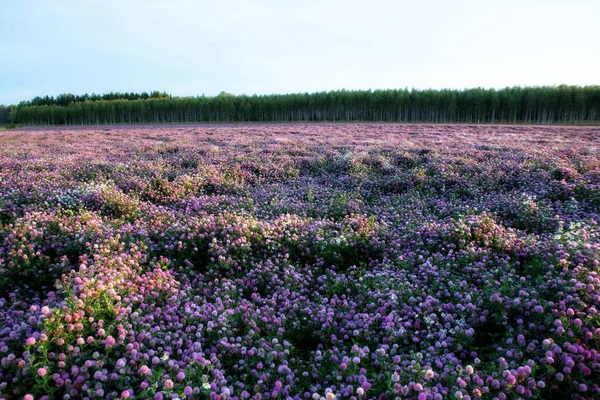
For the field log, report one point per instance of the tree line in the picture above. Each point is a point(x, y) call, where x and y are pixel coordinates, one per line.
point(68, 98)
point(512, 105)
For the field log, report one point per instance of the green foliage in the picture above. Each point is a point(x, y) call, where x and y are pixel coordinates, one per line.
point(529, 105)
point(112, 202)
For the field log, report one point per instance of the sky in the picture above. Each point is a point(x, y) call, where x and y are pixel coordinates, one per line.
point(190, 48)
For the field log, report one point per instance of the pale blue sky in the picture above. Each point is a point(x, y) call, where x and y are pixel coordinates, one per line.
point(258, 46)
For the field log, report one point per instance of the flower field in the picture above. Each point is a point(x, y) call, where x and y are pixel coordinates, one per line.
point(303, 261)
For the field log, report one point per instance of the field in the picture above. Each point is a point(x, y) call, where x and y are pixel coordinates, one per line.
point(300, 261)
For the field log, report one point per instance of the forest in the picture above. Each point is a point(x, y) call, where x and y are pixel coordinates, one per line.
point(566, 105)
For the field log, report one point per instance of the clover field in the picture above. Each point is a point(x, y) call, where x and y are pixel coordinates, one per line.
point(303, 261)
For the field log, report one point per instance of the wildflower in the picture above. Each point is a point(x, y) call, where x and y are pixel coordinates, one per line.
point(511, 379)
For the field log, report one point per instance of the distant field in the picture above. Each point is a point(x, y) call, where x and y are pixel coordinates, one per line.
point(300, 261)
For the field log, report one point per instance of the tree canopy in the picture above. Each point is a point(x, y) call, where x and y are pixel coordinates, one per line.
point(512, 105)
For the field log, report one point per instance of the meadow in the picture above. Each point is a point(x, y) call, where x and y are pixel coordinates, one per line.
point(303, 261)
